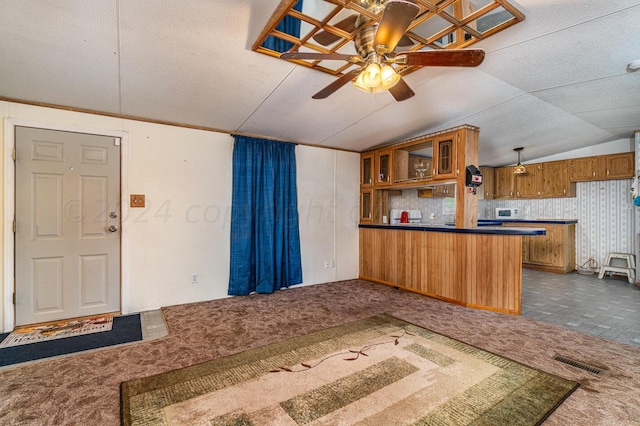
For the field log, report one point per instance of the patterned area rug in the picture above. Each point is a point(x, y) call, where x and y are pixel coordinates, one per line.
point(380, 370)
point(58, 330)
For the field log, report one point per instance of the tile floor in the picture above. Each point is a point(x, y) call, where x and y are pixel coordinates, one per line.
point(153, 325)
point(607, 307)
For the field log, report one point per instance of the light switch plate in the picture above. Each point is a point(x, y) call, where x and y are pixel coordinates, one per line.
point(137, 200)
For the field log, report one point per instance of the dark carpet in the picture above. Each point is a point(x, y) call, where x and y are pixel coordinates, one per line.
point(125, 329)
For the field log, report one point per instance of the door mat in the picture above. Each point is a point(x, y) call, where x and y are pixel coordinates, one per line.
point(58, 330)
point(378, 371)
point(125, 329)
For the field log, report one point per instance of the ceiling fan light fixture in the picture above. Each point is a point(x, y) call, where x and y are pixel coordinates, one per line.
point(371, 76)
point(388, 77)
point(359, 84)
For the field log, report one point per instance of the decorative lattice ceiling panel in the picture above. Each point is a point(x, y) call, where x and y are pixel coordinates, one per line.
point(330, 26)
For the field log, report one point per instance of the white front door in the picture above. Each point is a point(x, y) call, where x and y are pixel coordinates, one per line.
point(67, 240)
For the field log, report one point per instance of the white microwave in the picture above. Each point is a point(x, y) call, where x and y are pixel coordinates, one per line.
point(506, 213)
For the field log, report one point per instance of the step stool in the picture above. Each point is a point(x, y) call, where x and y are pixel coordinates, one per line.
point(620, 263)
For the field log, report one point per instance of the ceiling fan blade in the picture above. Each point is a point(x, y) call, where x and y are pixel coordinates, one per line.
point(328, 90)
point(320, 56)
point(326, 38)
point(396, 18)
point(401, 90)
point(406, 41)
point(442, 58)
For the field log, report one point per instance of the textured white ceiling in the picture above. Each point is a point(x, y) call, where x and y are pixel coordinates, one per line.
point(553, 83)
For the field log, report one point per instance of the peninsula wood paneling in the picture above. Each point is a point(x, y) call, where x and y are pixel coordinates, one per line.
point(475, 270)
point(494, 272)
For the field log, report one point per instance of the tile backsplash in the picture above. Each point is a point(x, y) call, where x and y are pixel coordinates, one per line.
point(410, 201)
point(604, 210)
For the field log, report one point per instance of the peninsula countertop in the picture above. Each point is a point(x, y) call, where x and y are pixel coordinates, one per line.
point(481, 229)
point(485, 226)
point(498, 222)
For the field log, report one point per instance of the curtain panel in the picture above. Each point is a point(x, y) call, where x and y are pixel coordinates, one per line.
point(265, 236)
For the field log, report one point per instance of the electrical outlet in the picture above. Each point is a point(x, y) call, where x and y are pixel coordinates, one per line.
point(432, 216)
point(326, 264)
point(195, 278)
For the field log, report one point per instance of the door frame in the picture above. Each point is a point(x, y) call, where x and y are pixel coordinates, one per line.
point(8, 265)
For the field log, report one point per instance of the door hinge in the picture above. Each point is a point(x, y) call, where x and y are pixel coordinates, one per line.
point(116, 141)
point(14, 298)
point(13, 153)
point(14, 226)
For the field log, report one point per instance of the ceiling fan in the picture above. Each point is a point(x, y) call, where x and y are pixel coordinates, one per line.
point(375, 45)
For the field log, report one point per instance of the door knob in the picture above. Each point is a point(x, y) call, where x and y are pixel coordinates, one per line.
point(113, 228)
point(113, 215)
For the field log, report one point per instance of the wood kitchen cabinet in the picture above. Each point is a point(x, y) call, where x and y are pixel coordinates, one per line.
point(447, 190)
point(553, 178)
point(444, 191)
point(374, 204)
point(602, 167)
point(586, 169)
point(440, 158)
point(504, 182)
point(366, 206)
point(526, 185)
point(382, 168)
point(542, 180)
point(553, 252)
point(486, 191)
point(366, 170)
point(620, 166)
point(444, 158)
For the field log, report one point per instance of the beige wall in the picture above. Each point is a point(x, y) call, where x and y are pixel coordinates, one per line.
point(186, 177)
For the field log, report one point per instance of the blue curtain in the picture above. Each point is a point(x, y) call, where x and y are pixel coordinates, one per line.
point(288, 25)
point(265, 237)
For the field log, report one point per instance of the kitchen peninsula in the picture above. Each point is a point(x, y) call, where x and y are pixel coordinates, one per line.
point(471, 265)
point(474, 267)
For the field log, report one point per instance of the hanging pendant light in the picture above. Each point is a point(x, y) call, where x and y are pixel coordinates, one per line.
point(519, 169)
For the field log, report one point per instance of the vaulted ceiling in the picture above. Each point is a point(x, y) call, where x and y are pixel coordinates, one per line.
point(555, 82)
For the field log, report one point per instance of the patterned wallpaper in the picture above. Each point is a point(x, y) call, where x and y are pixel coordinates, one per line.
point(604, 209)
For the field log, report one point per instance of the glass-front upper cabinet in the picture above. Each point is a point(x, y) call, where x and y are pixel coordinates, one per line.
point(383, 167)
point(366, 205)
point(366, 169)
point(445, 158)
